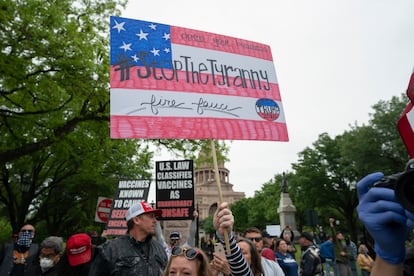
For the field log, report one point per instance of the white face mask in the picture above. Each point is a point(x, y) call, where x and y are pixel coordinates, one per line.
point(46, 263)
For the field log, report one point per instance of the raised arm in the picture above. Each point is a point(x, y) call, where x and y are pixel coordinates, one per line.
point(161, 239)
point(192, 230)
point(223, 221)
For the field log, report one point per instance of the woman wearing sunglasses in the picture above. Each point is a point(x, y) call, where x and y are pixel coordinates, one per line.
point(252, 256)
point(191, 261)
point(188, 261)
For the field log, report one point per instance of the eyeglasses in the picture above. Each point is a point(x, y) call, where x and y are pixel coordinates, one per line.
point(188, 252)
point(27, 230)
point(256, 239)
point(49, 256)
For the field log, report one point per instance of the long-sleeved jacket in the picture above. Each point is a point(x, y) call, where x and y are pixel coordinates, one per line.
point(310, 263)
point(7, 257)
point(126, 256)
point(190, 240)
point(340, 252)
point(237, 262)
point(365, 262)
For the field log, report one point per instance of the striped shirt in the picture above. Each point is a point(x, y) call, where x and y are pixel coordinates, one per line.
point(237, 262)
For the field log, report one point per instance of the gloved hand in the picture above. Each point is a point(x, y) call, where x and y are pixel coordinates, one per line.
point(384, 218)
point(410, 219)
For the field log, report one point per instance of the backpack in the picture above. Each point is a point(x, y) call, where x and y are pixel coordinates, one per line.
point(314, 250)
point(322, 255)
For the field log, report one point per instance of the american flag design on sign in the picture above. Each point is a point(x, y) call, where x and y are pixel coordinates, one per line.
point(172, 82)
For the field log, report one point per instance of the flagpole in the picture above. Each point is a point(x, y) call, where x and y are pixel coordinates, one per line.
point(220, 196)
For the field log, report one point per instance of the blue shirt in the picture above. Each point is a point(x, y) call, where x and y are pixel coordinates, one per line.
point(287, 263)
point(327, 250)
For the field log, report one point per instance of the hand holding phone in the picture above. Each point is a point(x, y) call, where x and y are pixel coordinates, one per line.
point(219, 249)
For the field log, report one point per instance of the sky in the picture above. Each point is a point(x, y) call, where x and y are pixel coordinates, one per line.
point(334, 60)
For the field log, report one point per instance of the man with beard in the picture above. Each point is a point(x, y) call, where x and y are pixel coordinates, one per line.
point(135, 253)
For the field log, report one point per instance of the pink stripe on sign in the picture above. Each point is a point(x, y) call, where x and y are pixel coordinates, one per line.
point(196, 128)
point(173, 67)
point(221, 43)
point(172, 85)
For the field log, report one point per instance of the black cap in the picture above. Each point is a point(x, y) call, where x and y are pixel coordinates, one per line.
point(175, 235)
point(307, 236)
point(265, 234)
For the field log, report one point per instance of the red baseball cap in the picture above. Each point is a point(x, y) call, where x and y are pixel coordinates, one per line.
point(79, 249)
point(141, 208)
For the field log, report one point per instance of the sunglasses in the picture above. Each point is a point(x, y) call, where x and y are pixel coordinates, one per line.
point(188, 252)
point(256, 239)
point(27, 230)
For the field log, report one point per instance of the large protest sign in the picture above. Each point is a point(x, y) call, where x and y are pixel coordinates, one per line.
point(174, 181)
point(173, 82)
point(129, 192)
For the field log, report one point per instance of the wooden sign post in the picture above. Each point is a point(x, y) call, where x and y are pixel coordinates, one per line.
point(220, 195)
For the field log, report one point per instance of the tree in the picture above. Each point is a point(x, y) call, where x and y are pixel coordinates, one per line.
point(54, 74)
point(321, 182)
point(55, 153)
point(54, 106)
point(261, 209)
point(240, 210)
point(326, 175)
point(208, 225)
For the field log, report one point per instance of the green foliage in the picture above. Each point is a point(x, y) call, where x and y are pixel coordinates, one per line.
point(56, 157)
point(260, 210)
point(208, 226)
point(325, 175)
point(5, 230)
point(198, 150)
point(55, 154)
point(240, 210)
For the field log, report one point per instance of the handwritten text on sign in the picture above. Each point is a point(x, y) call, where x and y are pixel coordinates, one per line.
point(167, 81)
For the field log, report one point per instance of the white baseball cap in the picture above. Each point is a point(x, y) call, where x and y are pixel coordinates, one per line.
point(141, 208)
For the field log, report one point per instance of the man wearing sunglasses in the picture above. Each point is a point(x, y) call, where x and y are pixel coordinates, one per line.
point(270, 266)
point(17, 257)
point(135, 253)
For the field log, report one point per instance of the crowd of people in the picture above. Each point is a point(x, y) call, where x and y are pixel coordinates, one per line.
point(144, 251)
point(52, 257)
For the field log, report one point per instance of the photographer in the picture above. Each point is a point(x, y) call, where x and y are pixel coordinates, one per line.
point(387, 222)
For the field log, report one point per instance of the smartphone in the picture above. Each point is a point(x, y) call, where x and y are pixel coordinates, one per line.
point(219, 249)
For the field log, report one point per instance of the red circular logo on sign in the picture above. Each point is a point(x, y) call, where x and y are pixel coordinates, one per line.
point(103, 209)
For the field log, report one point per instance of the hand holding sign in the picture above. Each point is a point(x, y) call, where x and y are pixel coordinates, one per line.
point(223, 219)
point(220, 195)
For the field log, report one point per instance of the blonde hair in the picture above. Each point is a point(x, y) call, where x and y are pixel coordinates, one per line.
point(202, 260)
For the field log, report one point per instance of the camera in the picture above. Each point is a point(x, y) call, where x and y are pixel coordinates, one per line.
point(403, 185)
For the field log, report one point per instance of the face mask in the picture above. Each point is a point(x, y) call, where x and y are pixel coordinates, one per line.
point(25, 239)
point(46, 263)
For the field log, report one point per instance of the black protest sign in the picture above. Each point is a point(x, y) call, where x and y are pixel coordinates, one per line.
point(174, 182)
point(129, 192)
